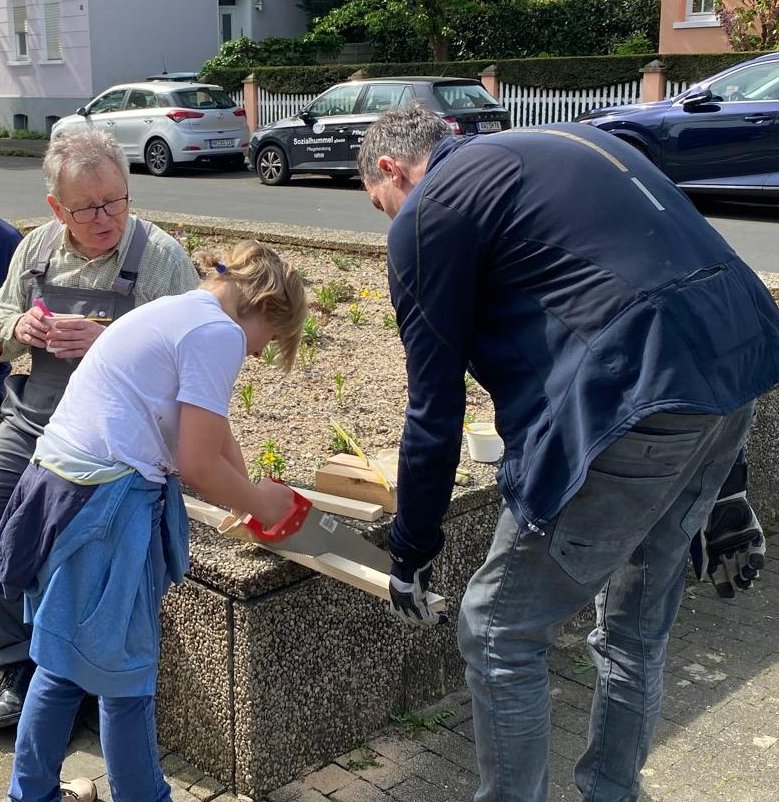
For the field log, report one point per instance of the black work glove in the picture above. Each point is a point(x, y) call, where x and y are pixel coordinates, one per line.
point(735, 545)
point(408, 595)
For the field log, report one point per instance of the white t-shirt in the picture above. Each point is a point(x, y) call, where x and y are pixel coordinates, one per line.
point(121, 404)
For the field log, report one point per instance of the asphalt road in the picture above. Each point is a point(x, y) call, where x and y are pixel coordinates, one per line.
point(750, 229)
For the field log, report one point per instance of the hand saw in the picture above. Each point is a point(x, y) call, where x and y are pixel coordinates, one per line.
point(315, 539)
point(306, 530)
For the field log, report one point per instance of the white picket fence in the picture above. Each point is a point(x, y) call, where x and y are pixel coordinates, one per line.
point(528, 105)
point(272, 106)
point(533, 105)
point(237, 96)
point(674, 88)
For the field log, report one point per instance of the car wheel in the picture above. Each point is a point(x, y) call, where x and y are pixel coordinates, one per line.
point(159, 160)
point(271, 166)
point(640, 148)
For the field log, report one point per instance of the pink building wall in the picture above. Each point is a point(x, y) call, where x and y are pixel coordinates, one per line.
point(678, 34)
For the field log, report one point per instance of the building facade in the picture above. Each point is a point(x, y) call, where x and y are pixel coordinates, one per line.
point(691, 26)
point(55, 55)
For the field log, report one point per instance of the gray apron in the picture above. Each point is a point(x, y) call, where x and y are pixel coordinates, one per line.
point(30, 400)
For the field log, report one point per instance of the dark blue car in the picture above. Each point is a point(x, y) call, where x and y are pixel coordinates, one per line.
point(720, 136)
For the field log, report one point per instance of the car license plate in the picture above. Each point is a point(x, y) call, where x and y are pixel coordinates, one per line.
point(221, 143)
point(491, 125)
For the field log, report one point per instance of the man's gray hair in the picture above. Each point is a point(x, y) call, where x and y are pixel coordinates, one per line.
point(409, 133)
point(81, 151)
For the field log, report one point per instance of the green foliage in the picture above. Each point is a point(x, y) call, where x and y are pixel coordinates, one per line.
point(413, 723)
point(750, 24)
point(339, 380)
point(342, 440)
point(238, 57)
point(270, 353)
point(311, 330)
point(389, 321)
point(6, 133)
point(363, 758)
point(270, 463)
point(633, 44)
point(696, 67)
point(247, 396)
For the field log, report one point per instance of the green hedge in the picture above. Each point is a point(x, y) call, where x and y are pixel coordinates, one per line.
point(579, 72)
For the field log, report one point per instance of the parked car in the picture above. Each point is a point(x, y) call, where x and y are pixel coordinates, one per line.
point(720, 136)
point(163, 124)
point(187, 77)
point(325, 135)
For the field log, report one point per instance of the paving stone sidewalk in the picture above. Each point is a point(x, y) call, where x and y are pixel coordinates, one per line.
point(717, 741)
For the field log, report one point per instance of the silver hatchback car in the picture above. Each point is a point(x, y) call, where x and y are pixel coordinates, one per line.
point(164, 124)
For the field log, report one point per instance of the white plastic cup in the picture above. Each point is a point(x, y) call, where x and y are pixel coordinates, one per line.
point(52, 321)
point(484, 443)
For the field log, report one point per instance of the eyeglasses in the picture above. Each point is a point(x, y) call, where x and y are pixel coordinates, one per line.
point(88, 214)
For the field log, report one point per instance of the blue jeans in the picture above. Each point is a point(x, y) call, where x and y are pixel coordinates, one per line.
point(128, 735)
point(624, 539)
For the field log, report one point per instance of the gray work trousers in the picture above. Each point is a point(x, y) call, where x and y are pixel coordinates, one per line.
point(16, 449)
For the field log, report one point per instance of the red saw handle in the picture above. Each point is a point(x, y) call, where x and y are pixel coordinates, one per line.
point(285, 527)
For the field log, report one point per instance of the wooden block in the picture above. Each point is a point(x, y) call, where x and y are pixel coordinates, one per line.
point(343, 478)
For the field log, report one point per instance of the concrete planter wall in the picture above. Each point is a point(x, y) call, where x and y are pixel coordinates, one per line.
point(267, 668)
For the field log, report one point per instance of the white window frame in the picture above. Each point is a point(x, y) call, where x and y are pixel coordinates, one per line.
point(698, 19)
point(20, 33)
point(52, 30)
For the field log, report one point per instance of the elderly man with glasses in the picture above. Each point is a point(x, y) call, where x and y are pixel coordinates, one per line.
point(94, 259)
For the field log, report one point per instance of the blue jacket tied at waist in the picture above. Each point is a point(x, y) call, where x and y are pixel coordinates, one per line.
point(95, 606)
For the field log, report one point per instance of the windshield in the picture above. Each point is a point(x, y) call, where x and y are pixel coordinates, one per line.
point(202, 98)
point(463, 96)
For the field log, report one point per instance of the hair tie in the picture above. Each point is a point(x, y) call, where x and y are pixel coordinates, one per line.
point(220, 268)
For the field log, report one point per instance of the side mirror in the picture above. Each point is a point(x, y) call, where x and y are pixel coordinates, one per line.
point(305, 115)
point(697, 98)
point(82, 110)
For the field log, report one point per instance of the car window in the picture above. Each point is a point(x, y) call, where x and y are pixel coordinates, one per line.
point(340, 100)
point(110, 101)
point(463, 96)
point(202, 98)
point(141, 99)
point(758, 82)
point(381, 97)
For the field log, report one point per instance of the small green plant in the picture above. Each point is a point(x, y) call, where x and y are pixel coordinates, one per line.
point(358, 309)
point(414, 723)
point(247, 396)
point(469, 417)
point(329, 295)
point(389, 321)
point(582, 664)
point(343, 262)
point(307, 355)
point(325, 298)
point(340, 381)
point(270, 353)
point(190, 240)
point(270, 463)
point(363, 758)
point(342, 441)
point(311, 330)
point(470, 382)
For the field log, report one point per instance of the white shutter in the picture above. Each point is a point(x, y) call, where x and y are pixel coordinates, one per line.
point(20, 29)
point(51, 22)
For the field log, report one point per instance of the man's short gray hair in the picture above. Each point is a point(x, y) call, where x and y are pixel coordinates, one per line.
point(81, 151)
point(409, 133)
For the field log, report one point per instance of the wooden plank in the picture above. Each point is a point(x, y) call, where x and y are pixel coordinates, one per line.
point(338, 505)
point(336, 566)
point(355, 482)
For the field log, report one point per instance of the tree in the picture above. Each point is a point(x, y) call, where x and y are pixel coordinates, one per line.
point(429, 19)
point(750, 25)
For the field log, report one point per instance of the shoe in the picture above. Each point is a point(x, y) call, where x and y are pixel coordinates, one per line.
point(13, 688)
point(79, 790)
